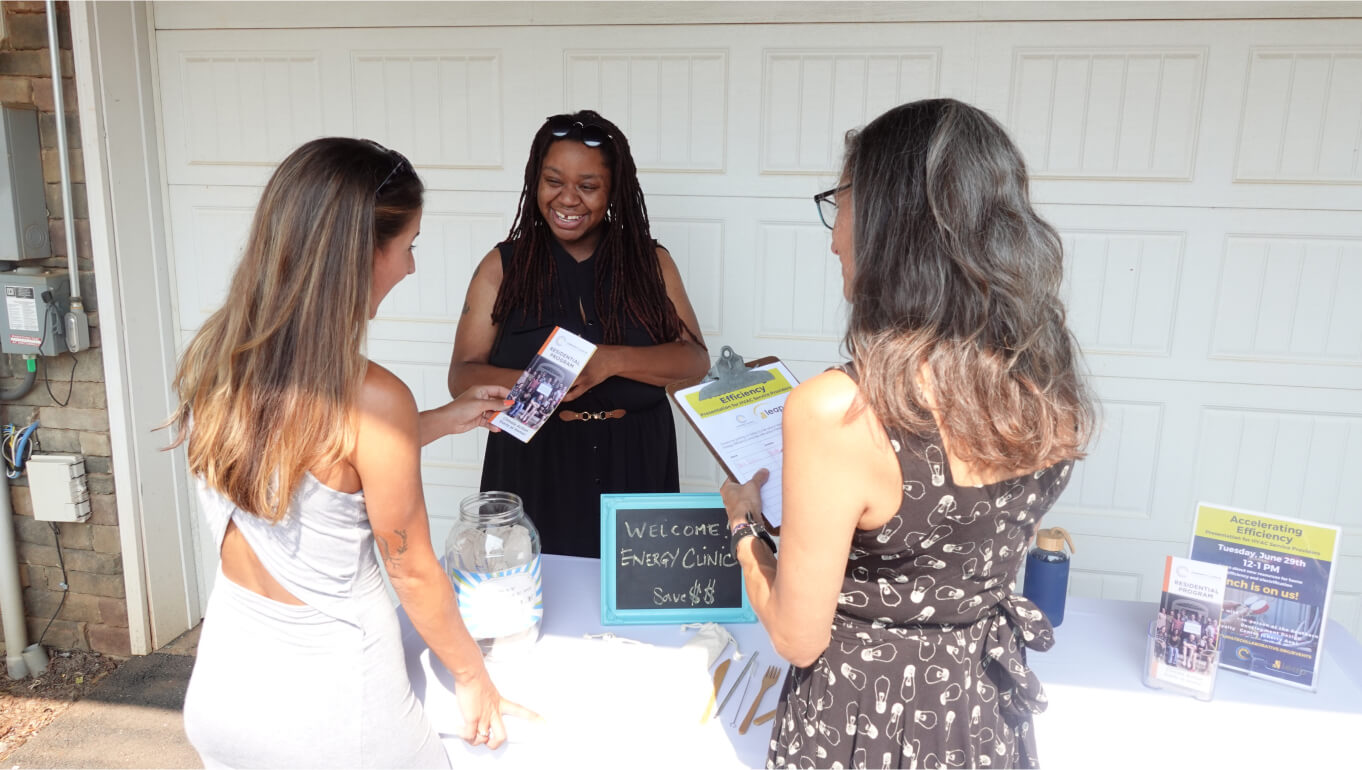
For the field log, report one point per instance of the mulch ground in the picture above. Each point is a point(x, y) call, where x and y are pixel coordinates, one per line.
point(30, 704)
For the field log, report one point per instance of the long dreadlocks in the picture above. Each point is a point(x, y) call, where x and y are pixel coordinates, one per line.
point(629, 281)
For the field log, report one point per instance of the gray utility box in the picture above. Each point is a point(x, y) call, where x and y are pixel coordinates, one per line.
point(23, 202)
point(33, 325)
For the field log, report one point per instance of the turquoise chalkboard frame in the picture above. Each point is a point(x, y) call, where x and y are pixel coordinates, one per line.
point(611, 614)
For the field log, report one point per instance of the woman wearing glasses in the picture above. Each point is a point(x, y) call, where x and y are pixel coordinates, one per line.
point(580, 256)
point(306, 454)
point(928, 459)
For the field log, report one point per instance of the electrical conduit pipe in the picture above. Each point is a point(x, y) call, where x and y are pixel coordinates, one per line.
point(21, 658)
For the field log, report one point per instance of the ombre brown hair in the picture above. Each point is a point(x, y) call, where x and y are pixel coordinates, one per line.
point(267, 386)
point(956, 322)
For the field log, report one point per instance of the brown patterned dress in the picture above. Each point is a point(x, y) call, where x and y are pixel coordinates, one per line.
point(927, 662)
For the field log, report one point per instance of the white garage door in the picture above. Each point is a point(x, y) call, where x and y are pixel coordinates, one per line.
point(1205, 177)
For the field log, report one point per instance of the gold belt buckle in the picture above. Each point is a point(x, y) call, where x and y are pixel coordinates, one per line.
point(595, 416)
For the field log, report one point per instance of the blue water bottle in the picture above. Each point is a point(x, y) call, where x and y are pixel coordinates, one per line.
point(1047, 573)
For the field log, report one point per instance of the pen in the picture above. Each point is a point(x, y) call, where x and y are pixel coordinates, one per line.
point(736, 682)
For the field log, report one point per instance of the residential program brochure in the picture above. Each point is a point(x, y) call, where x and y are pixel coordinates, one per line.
point(543, 384)
point(1183, 648)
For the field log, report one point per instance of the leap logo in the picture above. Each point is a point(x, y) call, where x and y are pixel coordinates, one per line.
point(767, 411)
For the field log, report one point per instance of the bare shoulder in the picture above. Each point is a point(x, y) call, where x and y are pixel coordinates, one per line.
point(666, 262)
point(488, 270)
point(825, 399)
point(383, 395)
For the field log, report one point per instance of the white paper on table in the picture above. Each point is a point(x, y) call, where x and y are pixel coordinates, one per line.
point(744, 429)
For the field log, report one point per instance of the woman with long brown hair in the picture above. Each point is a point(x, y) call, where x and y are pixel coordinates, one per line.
point(915, 475)
point(306, 454)
point(580, 256)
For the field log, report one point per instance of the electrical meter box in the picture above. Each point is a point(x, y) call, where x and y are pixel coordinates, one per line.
point(36, 299)
point(23, 204)
point(57, 485)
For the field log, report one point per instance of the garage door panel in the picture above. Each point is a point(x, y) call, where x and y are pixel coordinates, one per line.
point(1105, 567)
point(1290, 298)
point(1135, 481)
point(811, 98)
point(1108, 113)
point(1119, 285)
point(1302, 116)
point(1165, 445)
point(440, 108)
point(435, 97)
point(209, 227)
point(671, 104)
point(1100, 584)
point(244, 107)
point(1222, 295)
point(1118, 477)
point(798, 284)
point(697, 247)
point(1250, 114)
point(1292, 463)
point(426, 306)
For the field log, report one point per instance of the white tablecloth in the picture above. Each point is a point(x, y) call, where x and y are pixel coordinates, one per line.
point(1101, 715)
point(607, 701)
point(615, 704)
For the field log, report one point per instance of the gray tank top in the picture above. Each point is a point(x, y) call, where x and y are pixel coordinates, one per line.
point(322, 551)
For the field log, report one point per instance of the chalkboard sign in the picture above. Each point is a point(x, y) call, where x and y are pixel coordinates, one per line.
point(665, 559)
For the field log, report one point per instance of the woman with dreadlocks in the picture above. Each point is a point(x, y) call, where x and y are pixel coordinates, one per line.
point(580, 256)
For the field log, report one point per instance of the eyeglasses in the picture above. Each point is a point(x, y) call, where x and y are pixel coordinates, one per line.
point(562, 126)
point(401, 161)
point(827, 204)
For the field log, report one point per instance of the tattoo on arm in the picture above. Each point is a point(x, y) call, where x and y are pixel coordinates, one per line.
point(471, 279)
point(391, 557)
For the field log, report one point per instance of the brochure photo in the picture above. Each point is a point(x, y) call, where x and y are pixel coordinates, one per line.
point(1187, 629)
point(1281, 575)
point(543, 384)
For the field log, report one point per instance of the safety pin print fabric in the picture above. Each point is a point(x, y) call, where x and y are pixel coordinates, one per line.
point(927, 663)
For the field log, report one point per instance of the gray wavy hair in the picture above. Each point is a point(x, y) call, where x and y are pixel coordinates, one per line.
point(956, 288)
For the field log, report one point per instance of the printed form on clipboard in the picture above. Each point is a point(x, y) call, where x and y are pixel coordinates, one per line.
point(740, 422)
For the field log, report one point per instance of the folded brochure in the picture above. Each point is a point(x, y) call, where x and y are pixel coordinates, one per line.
point(1187, 629)
point(543, 384)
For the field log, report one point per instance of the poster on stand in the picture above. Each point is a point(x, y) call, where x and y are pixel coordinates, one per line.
point(1281, 574)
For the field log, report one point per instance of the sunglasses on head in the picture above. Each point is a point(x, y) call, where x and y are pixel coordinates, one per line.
point(399, 161)
point(590, 134)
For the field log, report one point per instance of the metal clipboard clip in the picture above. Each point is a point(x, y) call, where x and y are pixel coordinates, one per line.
point(729, 374)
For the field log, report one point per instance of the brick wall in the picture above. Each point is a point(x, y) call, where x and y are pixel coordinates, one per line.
point(95, 614)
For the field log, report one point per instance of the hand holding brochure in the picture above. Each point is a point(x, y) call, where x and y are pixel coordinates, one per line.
point(543, 384)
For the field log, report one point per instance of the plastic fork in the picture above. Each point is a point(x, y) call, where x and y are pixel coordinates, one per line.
point(771, 676)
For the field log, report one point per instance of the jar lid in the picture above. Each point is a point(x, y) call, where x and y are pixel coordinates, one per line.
point(1053, 539)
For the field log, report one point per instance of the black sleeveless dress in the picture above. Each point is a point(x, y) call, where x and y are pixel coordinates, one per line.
point(563, 470)
point(927, 662)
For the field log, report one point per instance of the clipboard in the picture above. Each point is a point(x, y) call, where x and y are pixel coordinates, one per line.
point(729, 375)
